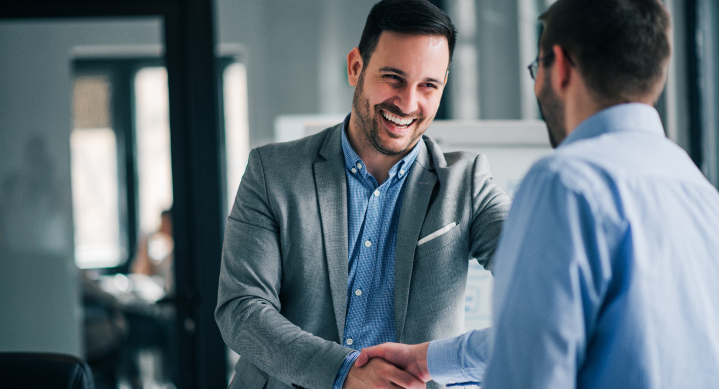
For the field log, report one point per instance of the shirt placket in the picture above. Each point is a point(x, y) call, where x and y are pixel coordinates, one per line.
point(370, 268)
point(367, 257)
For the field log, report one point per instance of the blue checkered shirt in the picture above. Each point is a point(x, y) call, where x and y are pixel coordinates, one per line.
point(373, 217)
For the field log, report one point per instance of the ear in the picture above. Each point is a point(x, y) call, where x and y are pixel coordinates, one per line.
point(445, 79)
point(354, 66)
point(563, 70)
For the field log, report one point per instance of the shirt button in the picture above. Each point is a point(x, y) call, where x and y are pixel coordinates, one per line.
point(349, 341)
point(401, 172)
point(376, 192)
point(358, 292)
point(359, 165)
point(354, 170)
point(367, 243)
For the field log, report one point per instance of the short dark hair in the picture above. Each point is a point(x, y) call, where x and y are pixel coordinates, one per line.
point(418, 17)
point(620, 47)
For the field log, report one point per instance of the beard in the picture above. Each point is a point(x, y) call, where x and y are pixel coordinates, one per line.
point(552, 111)
point(367, 120)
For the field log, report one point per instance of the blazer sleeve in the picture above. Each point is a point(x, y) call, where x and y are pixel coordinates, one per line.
point(248, 307)
point(490, 207)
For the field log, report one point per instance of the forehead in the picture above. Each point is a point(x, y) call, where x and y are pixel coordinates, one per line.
point(420, 55)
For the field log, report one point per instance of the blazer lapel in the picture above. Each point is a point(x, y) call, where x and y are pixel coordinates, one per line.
point(415, 201)
point(331, 188)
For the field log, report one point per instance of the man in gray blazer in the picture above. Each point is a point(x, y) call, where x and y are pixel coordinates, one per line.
point(362, 233)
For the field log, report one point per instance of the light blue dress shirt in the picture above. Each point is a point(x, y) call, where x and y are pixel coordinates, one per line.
point(607, 271)
point(373, 217)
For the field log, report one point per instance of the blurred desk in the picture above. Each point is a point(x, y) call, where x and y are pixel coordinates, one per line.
point(147, 354)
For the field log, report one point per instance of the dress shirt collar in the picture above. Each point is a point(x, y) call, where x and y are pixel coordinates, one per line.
point(353, 161)
point(623, 117)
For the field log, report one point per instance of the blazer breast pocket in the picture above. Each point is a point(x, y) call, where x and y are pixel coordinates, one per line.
point(437, 240)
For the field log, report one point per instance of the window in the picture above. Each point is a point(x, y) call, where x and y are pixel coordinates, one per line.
point(152, 134)
point(94, 175)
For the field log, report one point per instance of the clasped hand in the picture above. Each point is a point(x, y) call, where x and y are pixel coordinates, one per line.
point(390, 365)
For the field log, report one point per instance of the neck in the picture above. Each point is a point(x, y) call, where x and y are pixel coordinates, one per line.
point(377, 164)
point(580, 105)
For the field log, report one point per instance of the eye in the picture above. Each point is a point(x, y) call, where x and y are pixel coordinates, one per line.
point(430, 85)
point(392, 77)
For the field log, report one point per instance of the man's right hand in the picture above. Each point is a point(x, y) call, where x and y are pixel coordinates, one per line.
point(410, 358)
point(380, 374)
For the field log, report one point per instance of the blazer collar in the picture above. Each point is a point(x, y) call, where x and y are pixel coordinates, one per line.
point(331, 187)
point(332, 146)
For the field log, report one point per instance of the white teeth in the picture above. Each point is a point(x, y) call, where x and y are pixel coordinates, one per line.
point(396, 120)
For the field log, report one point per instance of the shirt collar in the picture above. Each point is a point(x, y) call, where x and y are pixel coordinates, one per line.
point(623, 117)
point(353, 161)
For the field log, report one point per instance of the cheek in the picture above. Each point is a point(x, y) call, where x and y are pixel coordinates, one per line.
point(377, 94)
point(430, 105)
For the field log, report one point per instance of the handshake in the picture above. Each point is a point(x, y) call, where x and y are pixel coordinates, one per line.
point(390, 365)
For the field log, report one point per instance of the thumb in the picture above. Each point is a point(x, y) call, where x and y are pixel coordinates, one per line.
point(367, 354)
point(362, 359)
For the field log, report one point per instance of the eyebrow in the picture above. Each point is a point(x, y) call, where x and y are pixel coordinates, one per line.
point(403, 74)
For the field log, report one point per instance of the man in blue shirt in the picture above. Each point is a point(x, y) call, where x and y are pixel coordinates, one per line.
point(607, 271)
point(360, 234)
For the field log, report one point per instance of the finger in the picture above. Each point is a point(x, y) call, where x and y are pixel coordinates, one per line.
point(362, 359)
point(369, 353)
point(405, 380)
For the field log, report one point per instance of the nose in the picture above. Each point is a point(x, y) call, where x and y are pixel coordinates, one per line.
point(408, 99)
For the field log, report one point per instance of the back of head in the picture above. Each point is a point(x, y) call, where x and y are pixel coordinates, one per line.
point(419, 17)
point(621, 47)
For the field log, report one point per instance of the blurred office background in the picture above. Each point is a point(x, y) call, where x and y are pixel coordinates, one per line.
point(125, 129)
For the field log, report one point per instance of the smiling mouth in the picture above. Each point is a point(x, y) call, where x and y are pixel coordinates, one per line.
point(397, 121)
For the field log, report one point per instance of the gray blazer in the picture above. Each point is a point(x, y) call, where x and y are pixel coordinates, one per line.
point(283, 282)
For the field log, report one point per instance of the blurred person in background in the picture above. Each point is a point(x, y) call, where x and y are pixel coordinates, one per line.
point(155, 254)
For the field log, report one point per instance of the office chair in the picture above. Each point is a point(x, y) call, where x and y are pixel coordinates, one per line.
point(44, 371)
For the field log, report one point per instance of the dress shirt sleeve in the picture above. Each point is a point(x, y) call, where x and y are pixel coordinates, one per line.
point(248, 309)
point(490, 206)
point(345, 369)
point(550, 277)
point(459, 360)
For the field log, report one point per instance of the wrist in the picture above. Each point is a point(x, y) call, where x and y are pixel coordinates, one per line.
point(347, 365)
point(421, 361)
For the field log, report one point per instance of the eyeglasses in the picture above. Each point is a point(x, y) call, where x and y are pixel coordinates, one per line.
point(534, 66)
